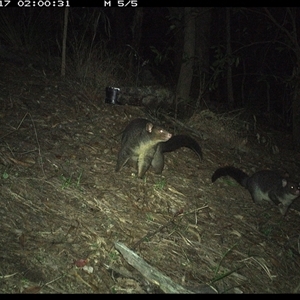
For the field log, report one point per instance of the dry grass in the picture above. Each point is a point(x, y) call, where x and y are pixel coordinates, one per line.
point(63, 207)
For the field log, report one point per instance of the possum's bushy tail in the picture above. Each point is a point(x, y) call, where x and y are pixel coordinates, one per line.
point(181, 140)
point(235, 173)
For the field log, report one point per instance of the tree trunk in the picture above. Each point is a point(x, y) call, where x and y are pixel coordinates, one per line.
point(64, 43)
point(229, 60)
point(203, 25)
point(296, 115)
point(136, 28)
point(186, 70)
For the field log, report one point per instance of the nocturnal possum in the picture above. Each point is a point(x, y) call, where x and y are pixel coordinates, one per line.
point(265, 185)
point(145, 143)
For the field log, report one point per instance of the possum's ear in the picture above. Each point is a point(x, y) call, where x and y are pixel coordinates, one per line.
point(149, 127)
point(284, 182)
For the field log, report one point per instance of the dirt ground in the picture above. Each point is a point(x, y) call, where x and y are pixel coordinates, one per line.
point(63, 207)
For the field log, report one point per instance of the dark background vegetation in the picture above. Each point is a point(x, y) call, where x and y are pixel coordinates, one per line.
point(235, 58)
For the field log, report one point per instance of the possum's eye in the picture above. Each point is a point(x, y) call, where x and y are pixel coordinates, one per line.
point(295, 189)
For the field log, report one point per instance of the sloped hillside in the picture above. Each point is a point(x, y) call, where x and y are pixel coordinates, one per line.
point(63, 207)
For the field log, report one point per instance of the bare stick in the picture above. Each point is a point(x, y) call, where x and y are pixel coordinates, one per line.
point(149, 272)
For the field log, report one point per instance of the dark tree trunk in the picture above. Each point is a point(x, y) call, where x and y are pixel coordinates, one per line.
point(136, 31)
point(64, 43)
point(186, 70)
point(296, 114)
point(229, 60)
point(203, 25)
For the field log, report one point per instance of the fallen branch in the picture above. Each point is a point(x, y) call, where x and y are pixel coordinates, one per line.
point(149, 272)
